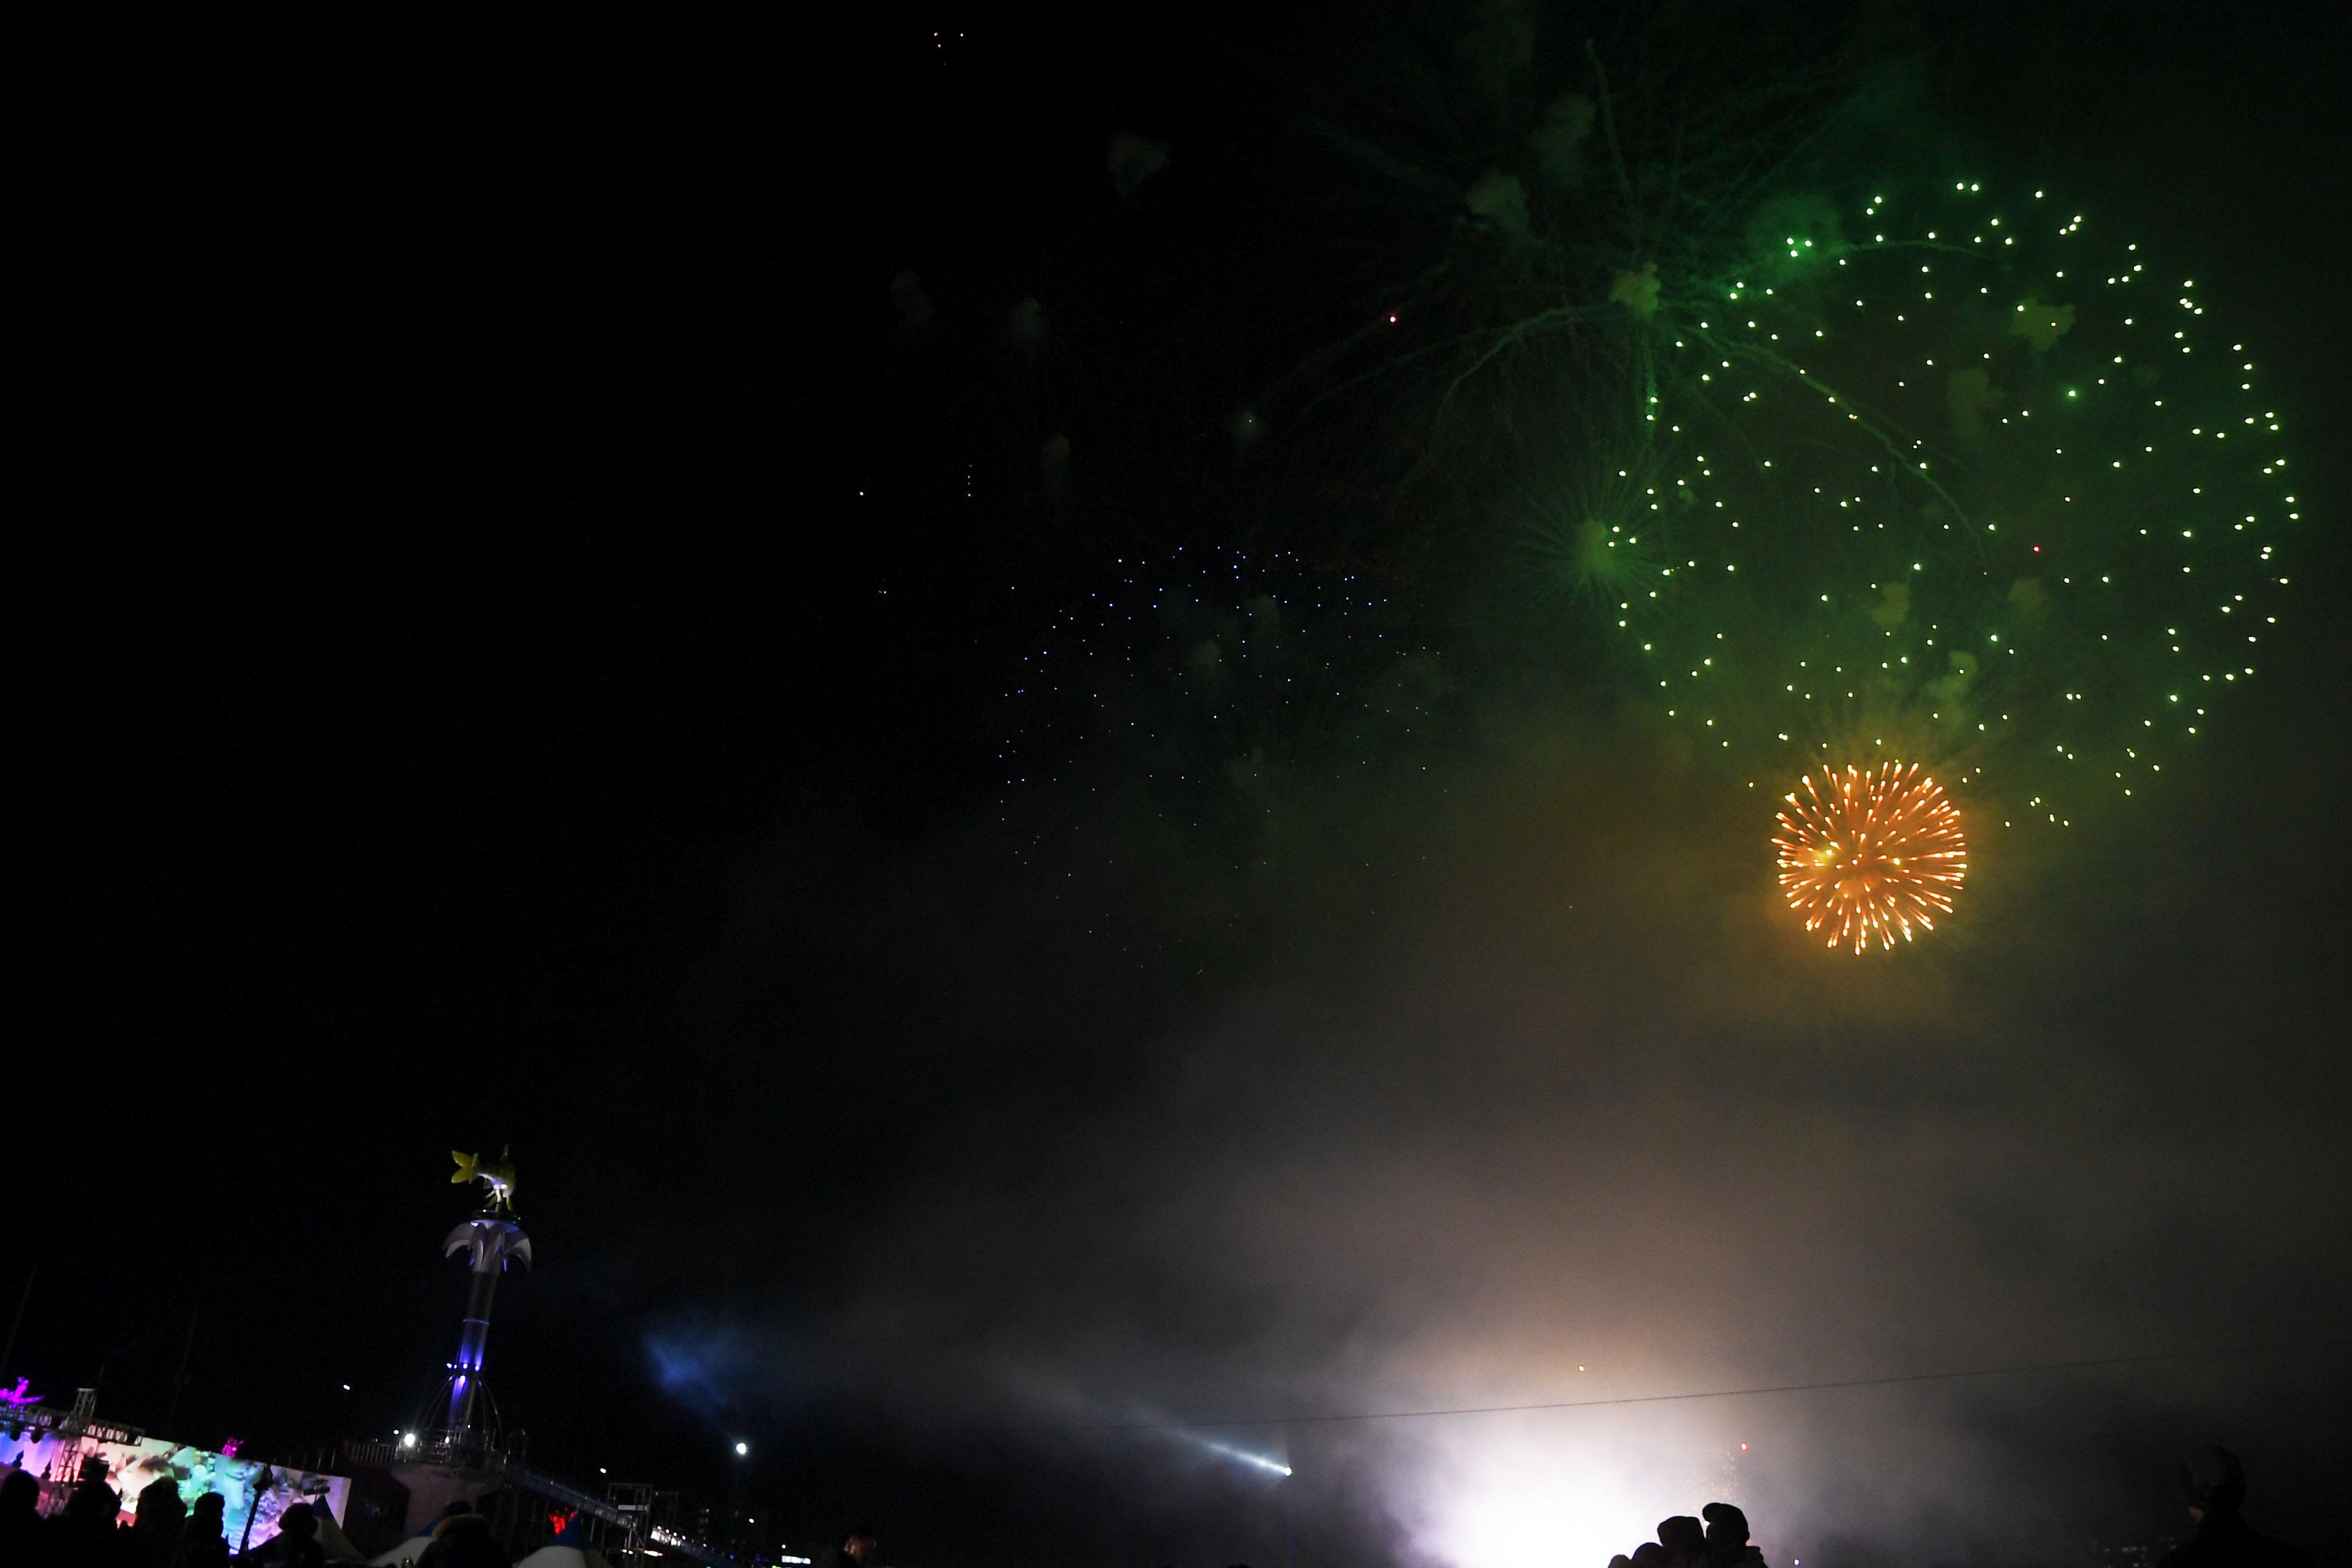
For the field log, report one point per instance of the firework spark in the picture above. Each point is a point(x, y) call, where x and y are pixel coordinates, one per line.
point(1913, 463)
point(1871, 853)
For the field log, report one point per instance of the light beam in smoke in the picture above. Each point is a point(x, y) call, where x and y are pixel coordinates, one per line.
point(1274, 1467)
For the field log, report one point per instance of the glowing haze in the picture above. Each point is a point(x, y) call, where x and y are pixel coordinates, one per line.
point(1510, 1081)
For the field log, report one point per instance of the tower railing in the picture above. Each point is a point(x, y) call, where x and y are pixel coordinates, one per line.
point(640, 1529)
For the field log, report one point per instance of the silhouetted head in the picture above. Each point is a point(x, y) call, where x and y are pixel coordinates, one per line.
point(463, 1522)
point(205, 1516)
point(1649, 1554)
point(861, 1545)
point(2216, 1485)
point(1727, 1528)
point(1681, 1534)
point(159, 1506)
point(19, 1494)
point(297, 1522)
point(92, 1506)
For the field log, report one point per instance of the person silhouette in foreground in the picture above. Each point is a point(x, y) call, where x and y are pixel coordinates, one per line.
point(860, 1548)
point(463, 1539)
point(153, 1539)
point(204, 1536)
point(296, 1544)
point(23, 1538)
point(1727, 1537)
point(2223, 1539)
point(1684, 1543)
point(82, 1534)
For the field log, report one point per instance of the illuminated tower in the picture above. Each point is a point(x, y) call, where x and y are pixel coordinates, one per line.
point(469, 1417)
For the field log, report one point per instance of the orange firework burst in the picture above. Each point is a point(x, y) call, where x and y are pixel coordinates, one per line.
point(1871, 854)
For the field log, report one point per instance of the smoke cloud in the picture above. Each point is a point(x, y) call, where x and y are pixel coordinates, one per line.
point(1506, 1082)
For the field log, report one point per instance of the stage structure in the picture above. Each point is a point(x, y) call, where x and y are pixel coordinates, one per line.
point(58, 1447)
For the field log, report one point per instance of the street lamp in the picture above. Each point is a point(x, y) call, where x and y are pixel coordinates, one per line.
point(737, 1492)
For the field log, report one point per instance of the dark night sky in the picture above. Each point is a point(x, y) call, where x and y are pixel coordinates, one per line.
point(514, 661)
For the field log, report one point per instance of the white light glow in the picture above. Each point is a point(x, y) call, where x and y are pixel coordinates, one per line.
point(1531, 1492)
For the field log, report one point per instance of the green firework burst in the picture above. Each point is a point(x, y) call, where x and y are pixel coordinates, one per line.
point(1964, 479)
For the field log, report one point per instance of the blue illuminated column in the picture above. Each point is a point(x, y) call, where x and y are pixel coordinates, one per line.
point(489, 1239)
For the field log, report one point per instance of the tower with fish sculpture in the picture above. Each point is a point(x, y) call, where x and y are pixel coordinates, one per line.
point(469, 1417)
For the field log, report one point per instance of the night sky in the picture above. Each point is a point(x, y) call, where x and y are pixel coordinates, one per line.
point(529, 585)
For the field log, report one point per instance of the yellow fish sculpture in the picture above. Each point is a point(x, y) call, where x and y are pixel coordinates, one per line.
point(500, 1178)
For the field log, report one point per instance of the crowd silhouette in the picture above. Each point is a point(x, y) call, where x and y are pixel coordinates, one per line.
point(2223, 1539)
point(164, 1532)
point(2213, 1491)
point(1720, 1541)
